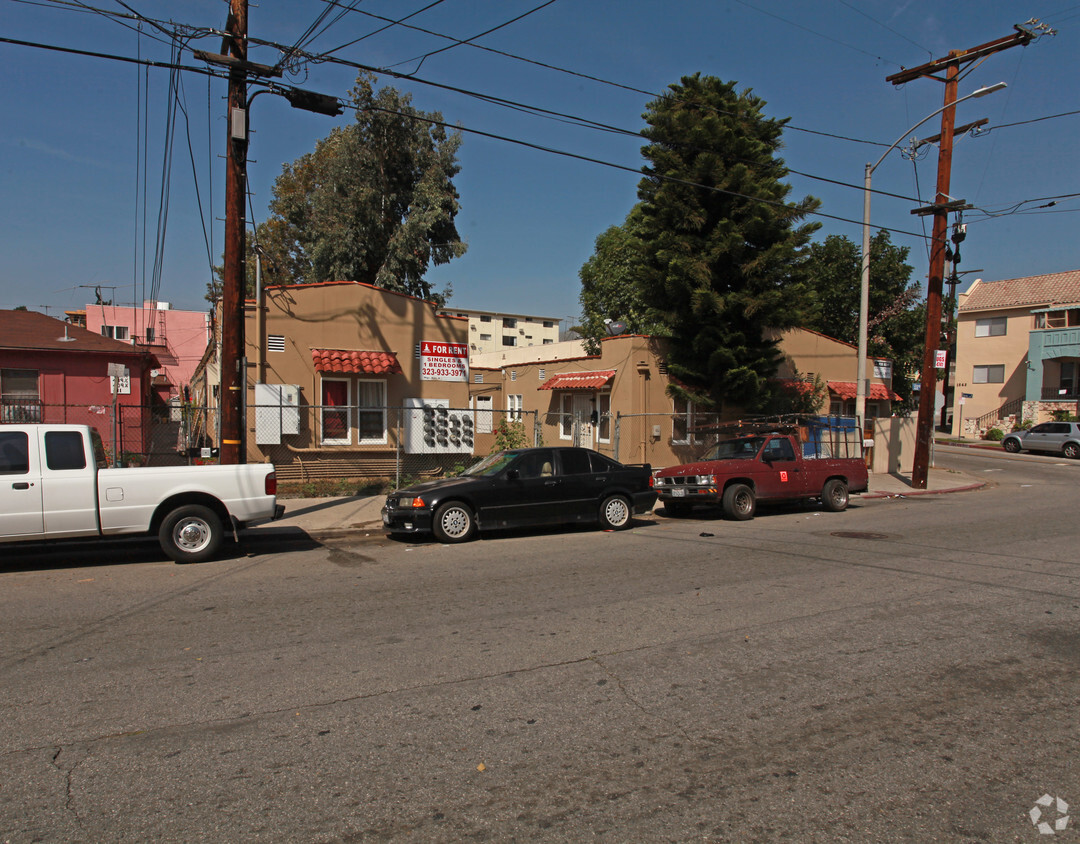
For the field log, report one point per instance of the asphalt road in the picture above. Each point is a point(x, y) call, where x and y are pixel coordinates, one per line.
point(904, 671)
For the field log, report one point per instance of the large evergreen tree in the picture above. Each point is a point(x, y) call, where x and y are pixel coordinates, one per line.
point(374, 202)
point(896, 319)
point(723, 245)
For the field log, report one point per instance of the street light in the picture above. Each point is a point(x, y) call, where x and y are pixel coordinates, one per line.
point(861, 380)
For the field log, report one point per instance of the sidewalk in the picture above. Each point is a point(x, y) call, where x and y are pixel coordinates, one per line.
point(361, 515)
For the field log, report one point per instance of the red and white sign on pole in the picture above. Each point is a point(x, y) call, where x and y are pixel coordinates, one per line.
point(444, 361)
point(939, 358)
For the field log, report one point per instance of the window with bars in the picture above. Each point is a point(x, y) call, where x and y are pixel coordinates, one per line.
point(19, 397)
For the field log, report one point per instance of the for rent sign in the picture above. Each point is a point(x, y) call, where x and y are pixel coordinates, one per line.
point(444, 361)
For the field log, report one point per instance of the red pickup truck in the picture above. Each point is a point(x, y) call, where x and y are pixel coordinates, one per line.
point(768, 466)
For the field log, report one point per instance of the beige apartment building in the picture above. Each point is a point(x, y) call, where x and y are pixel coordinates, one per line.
point(493, 331)
point(1017, 351)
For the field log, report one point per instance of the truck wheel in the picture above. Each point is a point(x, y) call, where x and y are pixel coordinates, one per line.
point(453, 522)
point(739, 502)
point(191, 534)
point(615, 513)
point(834, 496)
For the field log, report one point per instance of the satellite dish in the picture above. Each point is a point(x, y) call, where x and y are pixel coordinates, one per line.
point(615, 327)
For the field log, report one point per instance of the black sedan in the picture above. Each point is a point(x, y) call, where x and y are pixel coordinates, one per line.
point(522, 488)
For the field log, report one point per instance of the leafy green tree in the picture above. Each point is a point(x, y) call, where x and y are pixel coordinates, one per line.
point(609, 284)
point(723, 245)
point(374, 202)
point(896, 318)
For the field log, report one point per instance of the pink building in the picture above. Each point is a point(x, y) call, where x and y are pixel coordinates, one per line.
point(177, 339)
point(51, 371)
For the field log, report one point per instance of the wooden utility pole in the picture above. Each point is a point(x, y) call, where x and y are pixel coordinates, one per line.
point(233, 376)
point(942, 205)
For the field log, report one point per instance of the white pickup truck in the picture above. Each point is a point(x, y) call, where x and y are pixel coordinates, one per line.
point(55, 484)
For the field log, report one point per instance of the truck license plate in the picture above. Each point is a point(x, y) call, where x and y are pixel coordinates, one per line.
point(678, 493)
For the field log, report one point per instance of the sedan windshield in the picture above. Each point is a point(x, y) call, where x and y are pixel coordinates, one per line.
point(745, 448)
point(490, 465)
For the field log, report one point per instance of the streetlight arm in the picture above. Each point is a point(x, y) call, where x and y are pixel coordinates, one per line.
point(864, 281)
point(981, 92)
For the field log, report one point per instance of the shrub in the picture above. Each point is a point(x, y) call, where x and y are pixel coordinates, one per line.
point(994, 435)
point(509, 434)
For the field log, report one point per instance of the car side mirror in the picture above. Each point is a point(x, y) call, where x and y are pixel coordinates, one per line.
point(513, 475)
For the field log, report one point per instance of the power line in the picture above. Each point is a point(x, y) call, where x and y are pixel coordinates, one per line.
point(547, 66)
point(459, 43)
point(96, 55)
point(884, 26)
point(623, 167)
point(389, 25)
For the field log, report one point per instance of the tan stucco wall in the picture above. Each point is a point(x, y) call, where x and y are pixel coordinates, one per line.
point(347, 316)
point(1010, 349)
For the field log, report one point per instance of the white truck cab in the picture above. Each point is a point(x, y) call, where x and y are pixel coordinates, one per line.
point(55, 484)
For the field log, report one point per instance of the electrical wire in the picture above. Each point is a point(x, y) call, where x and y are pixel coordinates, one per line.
point(381, 29)
point(885, 26)
point(459, 43)
point(327, 57)
point(626, 168)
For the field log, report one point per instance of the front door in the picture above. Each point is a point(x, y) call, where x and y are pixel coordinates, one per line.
point(584, 405)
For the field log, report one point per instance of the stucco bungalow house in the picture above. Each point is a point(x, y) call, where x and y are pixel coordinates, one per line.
point(348, 380)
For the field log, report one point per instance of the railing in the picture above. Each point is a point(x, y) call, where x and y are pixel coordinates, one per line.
point(1057, 394)
point(1008, 409)
point(20, 410)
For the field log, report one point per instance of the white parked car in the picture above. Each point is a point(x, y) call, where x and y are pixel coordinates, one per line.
point(1059, 437)
point(55, 484)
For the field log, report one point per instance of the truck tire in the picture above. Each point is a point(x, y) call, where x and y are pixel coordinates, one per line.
point(453, 522)
point(191, 534)
point(615, 513)
point(739, 503)
point(834, 495)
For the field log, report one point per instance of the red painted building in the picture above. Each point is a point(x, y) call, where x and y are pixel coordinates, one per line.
point(52, 371)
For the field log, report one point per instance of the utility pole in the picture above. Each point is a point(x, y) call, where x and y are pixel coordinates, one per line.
point(234, 52)
point(943, 204)
point(233, 379)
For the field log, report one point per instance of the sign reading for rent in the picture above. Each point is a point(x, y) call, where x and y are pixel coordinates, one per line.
point(444, 361)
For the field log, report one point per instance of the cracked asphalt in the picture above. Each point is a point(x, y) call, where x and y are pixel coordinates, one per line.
point(904, 671)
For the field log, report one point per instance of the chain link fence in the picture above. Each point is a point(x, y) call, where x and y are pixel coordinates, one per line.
point(664, 439)
point(403, 444)
point(134, 435)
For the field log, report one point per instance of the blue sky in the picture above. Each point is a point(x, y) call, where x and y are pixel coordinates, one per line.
point(79, 133)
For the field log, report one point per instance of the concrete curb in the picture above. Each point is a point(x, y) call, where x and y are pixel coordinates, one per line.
point(912, 492)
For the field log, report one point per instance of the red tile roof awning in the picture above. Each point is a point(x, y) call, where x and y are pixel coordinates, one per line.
point(579, 380)
point(355, 362)
point(845, 390)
